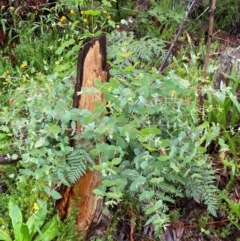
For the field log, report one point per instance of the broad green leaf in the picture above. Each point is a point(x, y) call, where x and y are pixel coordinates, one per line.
point(130, 173)
point(151, 130)
point(40, 142)
point(25, 233)
point(107, 183)
point(36, 221)
point(3, 136)
point(163, 158)
point(61, 106)
point(99, 192)
point(49, 231)
point(148, 147)
point(146, 195)
point(4, 236)
point(111, 23)
point(52, 128)
point(55, 195)
point(116, 161)
point(66, 117)
point(16, 217)
point(14, 156)
point(137, 183)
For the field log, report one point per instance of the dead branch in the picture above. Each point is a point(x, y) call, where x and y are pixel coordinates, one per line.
point(189, 8)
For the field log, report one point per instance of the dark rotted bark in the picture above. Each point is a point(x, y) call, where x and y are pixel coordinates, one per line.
point(10, 158)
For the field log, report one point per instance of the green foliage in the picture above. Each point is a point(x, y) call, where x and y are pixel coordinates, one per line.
point(230, 10)
point(154, 148)
point(16, 189)
point(222, 108)
point(68, 228)
point(161, 20)
point(129, 51)
point(36, 227)
point(79, 160)
point(35, 124)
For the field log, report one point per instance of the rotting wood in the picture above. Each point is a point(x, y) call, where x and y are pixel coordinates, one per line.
point(92, 65)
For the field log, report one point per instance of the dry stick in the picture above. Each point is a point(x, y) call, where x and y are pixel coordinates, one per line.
point(209, 39)
point(160, 69)
point(205, 68)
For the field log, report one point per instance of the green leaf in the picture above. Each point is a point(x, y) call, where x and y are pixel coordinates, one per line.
point(155, 208)
point(49, 231)
point(55, 195)
point(36, 221)
point(130, 173)
point(137, 183)
point(232, 205)
point(116, 161)
point(107, 183)
point(151, 130)
point(163, 158)
point(14, 156)
point(25, 233)
point(111, 23)
point(146, 195)
point(16, 217)
point(64, 45)
point(92, 12)
point(3, 136)
point(148, 147)
point(99, 192)
point(4, 235)
point(51, 128)
point(40, 142)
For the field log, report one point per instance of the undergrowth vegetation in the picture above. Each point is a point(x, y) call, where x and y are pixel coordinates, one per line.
point(156, 151)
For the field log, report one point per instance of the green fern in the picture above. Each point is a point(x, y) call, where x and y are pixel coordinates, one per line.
point(79, 160)
point(145, 50)
point(200, 186)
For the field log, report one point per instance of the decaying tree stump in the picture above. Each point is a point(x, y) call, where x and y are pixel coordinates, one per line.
point(227, 61)
point(91, 66)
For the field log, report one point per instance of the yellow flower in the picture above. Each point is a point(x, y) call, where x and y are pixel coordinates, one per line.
point(109, 17)
point(82, 12)
point(85, 20)
point(11, 8)
point(117, 26)
point(35, 207)
point(72, 11)
point(62, 19)
point(22, 66)
point(7, 72)
point(105, 11)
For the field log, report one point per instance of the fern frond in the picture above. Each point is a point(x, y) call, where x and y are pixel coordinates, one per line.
point(200, 187)
point(79, 160)
point(170, 189)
